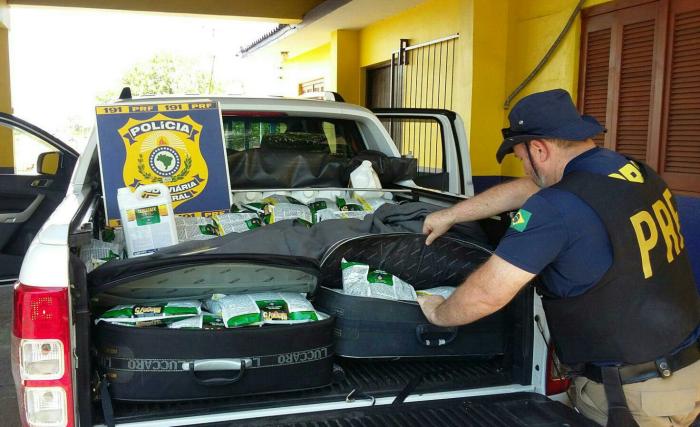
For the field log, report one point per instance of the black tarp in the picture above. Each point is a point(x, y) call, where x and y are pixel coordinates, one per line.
point(282, 240)
point(282, 168)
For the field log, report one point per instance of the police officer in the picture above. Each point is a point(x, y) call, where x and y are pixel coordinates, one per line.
point(602, 232)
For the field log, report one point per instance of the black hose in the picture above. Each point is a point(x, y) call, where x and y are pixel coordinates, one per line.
point(546, 56)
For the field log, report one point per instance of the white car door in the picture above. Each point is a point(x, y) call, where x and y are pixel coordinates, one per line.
point(436, 138)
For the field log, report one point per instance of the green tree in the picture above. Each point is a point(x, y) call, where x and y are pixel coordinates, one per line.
point(166, 74)
point(76, 131)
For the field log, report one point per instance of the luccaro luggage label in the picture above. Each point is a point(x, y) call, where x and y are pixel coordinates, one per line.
point(203, 364)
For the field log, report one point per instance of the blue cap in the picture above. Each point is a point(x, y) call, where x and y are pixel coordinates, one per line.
point(546, 115)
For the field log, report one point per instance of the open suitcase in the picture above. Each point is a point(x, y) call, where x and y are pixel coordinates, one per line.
point(161, 364)
point(378, 328)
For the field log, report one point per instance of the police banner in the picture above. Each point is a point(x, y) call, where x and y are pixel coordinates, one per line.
point(180, 145)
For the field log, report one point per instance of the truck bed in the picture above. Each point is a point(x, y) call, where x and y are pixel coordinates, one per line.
point(375, 378)
point(506, 410)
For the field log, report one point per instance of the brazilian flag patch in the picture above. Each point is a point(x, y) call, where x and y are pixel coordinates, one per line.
point(520, 220)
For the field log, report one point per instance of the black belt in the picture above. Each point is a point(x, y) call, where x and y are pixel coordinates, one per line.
point(613, 377)
point(663, 367)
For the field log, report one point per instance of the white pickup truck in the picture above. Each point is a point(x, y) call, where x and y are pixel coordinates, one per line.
point(51, 349)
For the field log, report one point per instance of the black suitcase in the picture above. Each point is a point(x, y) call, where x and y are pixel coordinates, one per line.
point(161, 364)
point(377, 328)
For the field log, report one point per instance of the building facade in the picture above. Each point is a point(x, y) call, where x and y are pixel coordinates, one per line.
point(633, 64)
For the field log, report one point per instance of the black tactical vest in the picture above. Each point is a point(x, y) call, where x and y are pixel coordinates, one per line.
point(646, 304)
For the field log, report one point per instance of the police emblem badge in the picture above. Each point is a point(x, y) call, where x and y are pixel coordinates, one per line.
point(179, 144)
point(162, 149)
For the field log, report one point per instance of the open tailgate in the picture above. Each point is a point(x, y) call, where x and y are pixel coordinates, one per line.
point(516, 409)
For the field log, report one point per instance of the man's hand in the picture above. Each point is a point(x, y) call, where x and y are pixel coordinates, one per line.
point(429, 303)
point(437, 223)
point(501, 198)
point(484, 292)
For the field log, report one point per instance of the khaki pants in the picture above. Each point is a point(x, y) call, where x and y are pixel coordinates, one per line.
point(673, 401)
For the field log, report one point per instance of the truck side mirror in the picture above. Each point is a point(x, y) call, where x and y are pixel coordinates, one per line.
point(47, 163)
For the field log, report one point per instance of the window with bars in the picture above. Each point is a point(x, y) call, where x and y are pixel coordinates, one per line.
point(419, 76)
point(316, 85)
point(640, 77)
point(422, 76)
point(421, 139)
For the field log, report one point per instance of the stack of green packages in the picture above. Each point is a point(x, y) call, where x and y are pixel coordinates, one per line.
point(262, 308)
point(155, 314)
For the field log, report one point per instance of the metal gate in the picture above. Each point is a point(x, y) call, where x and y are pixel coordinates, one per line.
point(422, 76)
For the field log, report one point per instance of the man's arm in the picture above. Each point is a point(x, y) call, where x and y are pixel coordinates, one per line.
point(501, 198)
point(484, 292)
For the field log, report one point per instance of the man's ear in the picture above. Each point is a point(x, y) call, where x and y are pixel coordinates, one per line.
point(539, 150)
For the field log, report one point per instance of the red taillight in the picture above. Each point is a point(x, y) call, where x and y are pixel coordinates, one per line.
point(556, 381)
point(40, 313)
point(41, 362)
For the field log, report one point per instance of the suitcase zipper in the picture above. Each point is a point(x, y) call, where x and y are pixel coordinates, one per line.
point(335, 245)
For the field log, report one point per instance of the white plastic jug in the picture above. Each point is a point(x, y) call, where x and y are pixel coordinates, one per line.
point(247, 197)
point(266, 194)
point(364, 176)
point(148, 219)
point(331, 194)
point(304, 196)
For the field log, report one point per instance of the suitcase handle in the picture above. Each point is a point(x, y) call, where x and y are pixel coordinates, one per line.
point(208, 365)
point(435, 336)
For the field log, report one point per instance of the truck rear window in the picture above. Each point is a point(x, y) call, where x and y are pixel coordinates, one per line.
point(303, 134)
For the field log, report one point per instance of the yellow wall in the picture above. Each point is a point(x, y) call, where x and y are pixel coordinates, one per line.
point(533, 27)
point(500, 43)
point(433, 19)
point(482, 51)
point(425, 22)
point(488, 84)
point(350, 52)
point(428, 21)
point(345, 65)
point(310, 65)
point(6, 151)
point(5, 100)
point(336, 62)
